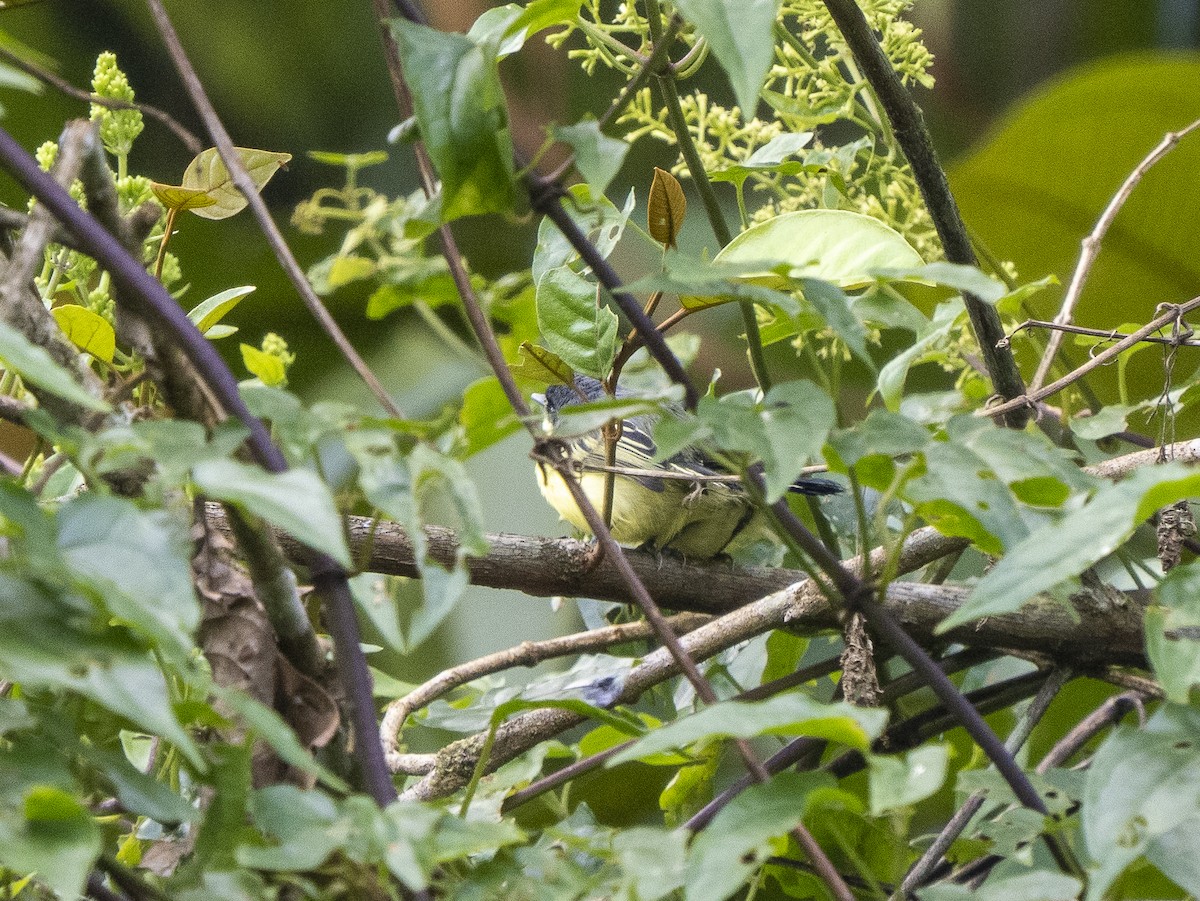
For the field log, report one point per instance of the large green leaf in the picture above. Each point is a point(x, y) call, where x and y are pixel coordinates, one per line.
point(835, 246)
point(790, 714)
point(738, 841)
point(296, 501)
point(57, 839)
point(1066, 548)
point(1173, 633)
point(138, 561)
point(740, 34)
point(576, 326)
point(1142, 797)
point(37, 367)
point(460, 106)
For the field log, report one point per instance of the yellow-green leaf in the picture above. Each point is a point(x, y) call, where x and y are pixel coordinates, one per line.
point(667, 207)
point(348, 269)
point(536, 364)
point(268, 367)
point(207, 173)
point(174, 197)
point(209, 312)
point(88, 331)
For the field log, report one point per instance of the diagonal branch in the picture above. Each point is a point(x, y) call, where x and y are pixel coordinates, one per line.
point(914, 140)
point(245, 183)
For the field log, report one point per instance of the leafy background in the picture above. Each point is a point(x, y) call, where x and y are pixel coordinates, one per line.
point(1036, 147)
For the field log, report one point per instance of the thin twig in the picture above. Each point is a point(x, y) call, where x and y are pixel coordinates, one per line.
point(1108, 713)
point(60, 84)
point(913, 137)
point(245, 183)
point(1091, 246)
point(1099, 333)
point(528, 653)
point(1033, 397)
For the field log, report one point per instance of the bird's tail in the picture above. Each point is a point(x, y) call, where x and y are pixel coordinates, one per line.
point(815, 487)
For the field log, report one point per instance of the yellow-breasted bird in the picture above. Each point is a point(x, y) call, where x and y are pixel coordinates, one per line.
point(656, 506)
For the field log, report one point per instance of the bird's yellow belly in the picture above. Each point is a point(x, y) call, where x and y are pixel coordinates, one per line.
point(640, 516)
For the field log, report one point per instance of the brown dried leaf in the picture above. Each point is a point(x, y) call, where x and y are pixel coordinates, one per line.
point(667, 208)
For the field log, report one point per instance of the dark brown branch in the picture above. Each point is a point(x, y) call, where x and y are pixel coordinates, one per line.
point(913, 138)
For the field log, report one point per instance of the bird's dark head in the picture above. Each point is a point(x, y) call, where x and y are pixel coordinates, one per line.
point(559, 396)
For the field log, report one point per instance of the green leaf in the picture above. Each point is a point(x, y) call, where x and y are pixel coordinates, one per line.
point(538, 365)
point(904, 780)
point(1037, 885)
point(57, 839)
point(790, 714)
point(951, 275)
point(1108, 420)
point(174, 197)
point(574, 324)
point(835, 246)
point(595, 215)
point(209, 312)
point(87, 330)
point(742, 39)
point(1063, 549)
point(296, 501)
point(207, 173)
point(738, 840)
point(1142, 798)
point(268, 725)
point(37, 367)
point(785, 432)
point(769, 158)
point(138, 562)
point(460, 106)
point(139, 793)
point(486, 415)
point(961, 497)
point(1173, 633)
point(268, 367)
point(654, 860)
point(38, 647)
point(834, 306)
point(302, 824)
point(894, 373)
point(597, 156)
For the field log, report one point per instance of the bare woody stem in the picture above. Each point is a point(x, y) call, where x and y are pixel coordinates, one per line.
point(1033, 397)
point(909, 127)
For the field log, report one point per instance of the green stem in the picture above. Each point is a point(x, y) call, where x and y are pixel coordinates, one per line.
point(708, 197)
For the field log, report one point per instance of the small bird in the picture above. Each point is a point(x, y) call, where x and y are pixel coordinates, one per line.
point(655, 504)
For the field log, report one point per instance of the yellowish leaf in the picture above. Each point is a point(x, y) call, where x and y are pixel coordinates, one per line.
point(667, 208)
point(268, 367)
point(88, 331)
point(207, 173)
point(536, 364)
point(174, 197)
